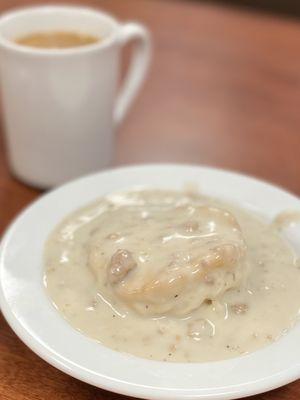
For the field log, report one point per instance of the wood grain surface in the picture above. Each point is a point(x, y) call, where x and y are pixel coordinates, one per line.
point(223, 90)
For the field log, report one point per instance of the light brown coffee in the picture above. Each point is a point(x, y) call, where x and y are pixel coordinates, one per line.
point(57, 39)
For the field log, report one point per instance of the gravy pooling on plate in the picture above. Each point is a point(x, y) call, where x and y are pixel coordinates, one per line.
point(173, 276)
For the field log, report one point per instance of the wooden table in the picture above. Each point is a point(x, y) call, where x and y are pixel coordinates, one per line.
point(223, 90)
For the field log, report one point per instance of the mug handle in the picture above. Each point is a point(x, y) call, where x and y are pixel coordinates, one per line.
point(137, 69)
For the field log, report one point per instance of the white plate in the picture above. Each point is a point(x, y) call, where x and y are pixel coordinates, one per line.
point(29, 312)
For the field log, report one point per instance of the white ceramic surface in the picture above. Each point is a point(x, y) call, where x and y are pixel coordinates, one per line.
point(61, 107)
point(30, 313)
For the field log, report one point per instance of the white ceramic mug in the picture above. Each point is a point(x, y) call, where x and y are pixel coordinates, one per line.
point(61, 106)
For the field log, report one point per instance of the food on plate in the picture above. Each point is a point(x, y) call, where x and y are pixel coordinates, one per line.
point(172, 262)
point(173, 276)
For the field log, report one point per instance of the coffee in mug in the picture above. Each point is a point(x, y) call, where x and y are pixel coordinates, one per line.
point(57, 39)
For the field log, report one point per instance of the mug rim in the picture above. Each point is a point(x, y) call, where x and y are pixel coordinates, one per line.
point(37, 51)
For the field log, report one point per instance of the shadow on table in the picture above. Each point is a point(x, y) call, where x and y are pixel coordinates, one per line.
point(289, 8)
